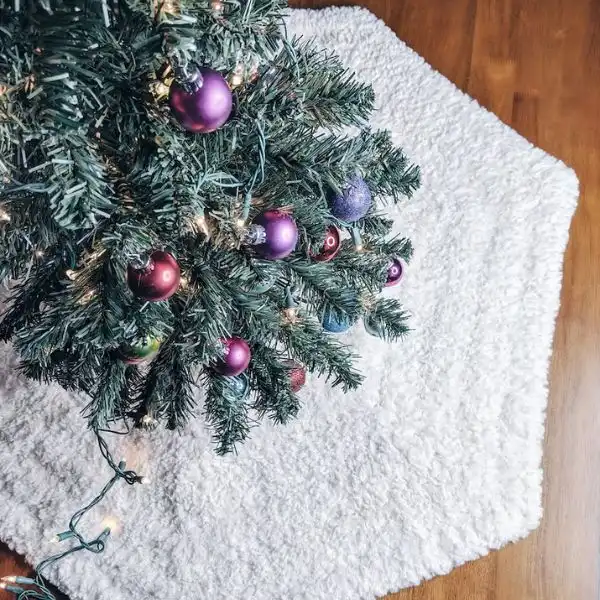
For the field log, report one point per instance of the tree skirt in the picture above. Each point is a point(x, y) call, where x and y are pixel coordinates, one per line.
point(435, 461)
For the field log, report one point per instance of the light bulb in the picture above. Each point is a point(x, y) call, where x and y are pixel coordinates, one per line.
point(87, 297)
point(145, 480)
point(39, 254)
point(112, 524)
point(10, 579)
point(4, 216)
point(217, 6)
point(71, 274)
point(240, 223)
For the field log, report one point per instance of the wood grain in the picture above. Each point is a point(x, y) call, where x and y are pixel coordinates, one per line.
point(536, 64)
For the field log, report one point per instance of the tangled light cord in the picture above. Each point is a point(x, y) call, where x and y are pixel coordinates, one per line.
point(36, 588)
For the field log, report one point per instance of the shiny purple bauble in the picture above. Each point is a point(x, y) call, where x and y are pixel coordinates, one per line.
point(281, 234)
point(394, 273)
point(206, 107)
point(236, 357)
point(353, 203)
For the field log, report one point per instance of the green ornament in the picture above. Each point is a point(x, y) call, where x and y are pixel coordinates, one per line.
point(137, 353)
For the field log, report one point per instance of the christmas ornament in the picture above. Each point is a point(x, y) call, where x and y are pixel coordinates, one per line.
point(274, 234)
point(394, 273)
point(236, 357)
point(353, 203)
point(138, 353)
point(239, 385)
point(202, 102)
point(297, 374)
point(371, 327)
point(333, 324)
point(156, 280)
point(331, 245)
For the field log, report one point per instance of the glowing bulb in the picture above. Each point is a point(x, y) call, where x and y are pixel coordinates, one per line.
point(87, 297)
point(184, 283)
point(71, 274)
point(217, 6)
point(240, 223)
point(359, 248)
point(39, 254)
point(112, 524)
point(10, 579)
point(145, 480)
point(4, 216)
point(237, 79)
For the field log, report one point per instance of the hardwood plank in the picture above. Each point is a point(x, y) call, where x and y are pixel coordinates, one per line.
point(536, 64)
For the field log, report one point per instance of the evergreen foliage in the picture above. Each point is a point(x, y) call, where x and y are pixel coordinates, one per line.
point(95, 173)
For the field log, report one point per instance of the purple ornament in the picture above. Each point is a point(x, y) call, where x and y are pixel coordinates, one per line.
point(353, 203)
point(394, 273)
point(202, 104)
point(236, 357)
point(280, 234)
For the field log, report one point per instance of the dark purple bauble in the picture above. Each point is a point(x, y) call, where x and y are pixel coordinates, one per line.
point(281, 234)
point(236, 357)
point(157, 280)
point(394, 273)
point(353, 203)
point(331, 245)
point(202, 105)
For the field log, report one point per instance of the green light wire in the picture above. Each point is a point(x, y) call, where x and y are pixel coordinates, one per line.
point(38, 588)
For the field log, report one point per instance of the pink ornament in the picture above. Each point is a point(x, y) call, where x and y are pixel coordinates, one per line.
point(202, 104)
point(394, 273)
point(236, 357)
point(157, 280)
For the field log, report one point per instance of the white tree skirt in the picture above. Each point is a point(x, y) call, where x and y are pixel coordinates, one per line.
point(435, 461)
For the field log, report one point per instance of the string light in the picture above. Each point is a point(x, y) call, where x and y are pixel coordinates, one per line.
point(71, 274)
point(39, 254)
point(4, 216)
point(87, 297)
point(184, 283)
point(111, 524)
point(237, 77)
point(217, 6)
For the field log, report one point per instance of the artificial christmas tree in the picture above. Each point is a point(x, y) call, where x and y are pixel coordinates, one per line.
point(171, 173)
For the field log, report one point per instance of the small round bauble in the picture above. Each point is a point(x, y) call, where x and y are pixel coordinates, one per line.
point(204, 103)
point(333, 324)
point(297, 374)
point(331, 245)
point(395, 272)
point(240, 386)
point(353, 203)
point(157, 280)
point(138, 353)
point(281, 234)
point(236, 357)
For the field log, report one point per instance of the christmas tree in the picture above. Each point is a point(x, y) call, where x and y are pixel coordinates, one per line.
point(189, 200)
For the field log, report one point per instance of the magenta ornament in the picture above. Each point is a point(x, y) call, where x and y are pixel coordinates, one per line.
point(394, 273)
point(203, 103)
point(279, 234)
point(157, 280)
point(236, 357)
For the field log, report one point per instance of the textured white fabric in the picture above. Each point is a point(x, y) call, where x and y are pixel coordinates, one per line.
point(432, 463)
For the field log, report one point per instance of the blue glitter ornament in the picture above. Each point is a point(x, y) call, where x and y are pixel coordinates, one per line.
point(353, 203)
point(332, 324)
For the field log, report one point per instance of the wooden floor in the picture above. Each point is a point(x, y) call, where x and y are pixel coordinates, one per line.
point(536, 64)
